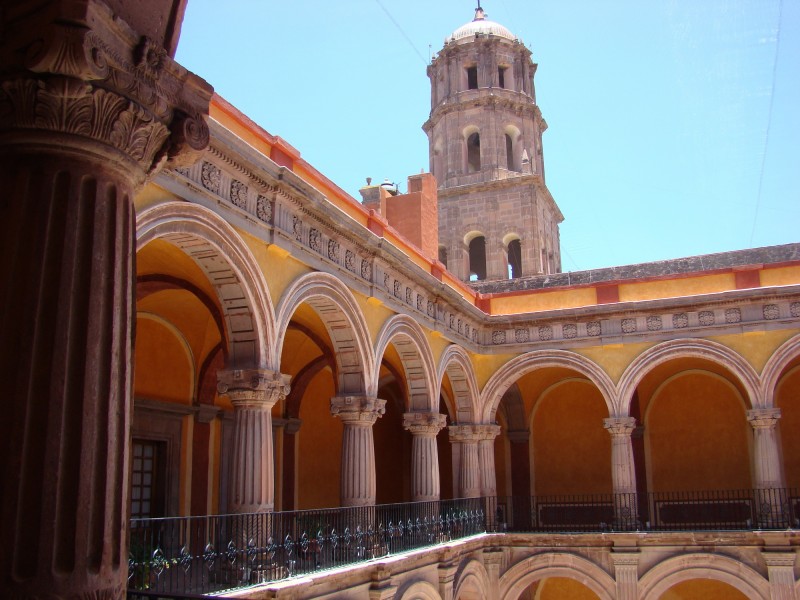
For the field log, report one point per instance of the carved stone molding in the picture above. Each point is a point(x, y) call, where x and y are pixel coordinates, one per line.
point(76, 77)
point(424, 423)
point(256, 385)
point(364, 410)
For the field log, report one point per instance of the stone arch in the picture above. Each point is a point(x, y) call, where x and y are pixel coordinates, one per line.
point(339, 311)
point(415, 354)
point(456, 364)
point(230, 267)
point(702, 349)
point(702, 566)
point(771, 374)
point(472, 574)
point(420, 590)
point(556, 564)
point(541, 359)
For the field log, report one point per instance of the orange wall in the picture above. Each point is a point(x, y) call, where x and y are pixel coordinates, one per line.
point(787, 398)
point(696, 436)
point(571, 449)
point(703, 589)
point(320, 447)
point(162, 369)
point(560, 588)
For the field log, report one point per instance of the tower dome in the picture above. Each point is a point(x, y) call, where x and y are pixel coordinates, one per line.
point(481, 25)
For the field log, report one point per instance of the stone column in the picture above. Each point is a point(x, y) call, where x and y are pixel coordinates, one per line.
point(90, 106)
point(780, 569)
point(623, 474)
point(253, 393)
point(768, 468)
point(486, 436)
point(766, 450)
point(468, 477)
point(424, 427)
point(626, 574)
point(358, 413)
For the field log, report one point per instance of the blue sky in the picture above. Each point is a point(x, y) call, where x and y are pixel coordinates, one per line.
point(674, 125)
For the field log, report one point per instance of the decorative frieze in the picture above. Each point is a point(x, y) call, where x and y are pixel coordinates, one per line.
point(733, 315)
point(263, 209)
point(705, 317)
point(654, 323)
point(239, 194)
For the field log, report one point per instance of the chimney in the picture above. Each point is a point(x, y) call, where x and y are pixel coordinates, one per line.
point(415, 215)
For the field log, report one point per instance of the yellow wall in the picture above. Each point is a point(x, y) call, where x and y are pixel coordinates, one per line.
point(696, 435)
point(780, 276)
point(703, 589)
point(541, 301)
point(672, 288)
point(571, 449)
point(756, 347)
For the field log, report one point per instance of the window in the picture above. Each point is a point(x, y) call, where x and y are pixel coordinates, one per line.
point(477, 258)
point(514, 259)
point(147, 479)
point(443, 255)
point(474, 153)
point(501, 76)
point(509, 153)
point(472, 78)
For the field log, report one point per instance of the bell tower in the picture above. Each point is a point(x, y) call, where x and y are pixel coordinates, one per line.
point(497, 219)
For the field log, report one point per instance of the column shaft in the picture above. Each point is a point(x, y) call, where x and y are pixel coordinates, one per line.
point(253, 393)
point(67, 302)
point(425, 482)
point(358, 413)
point(623, 473)
point(766, 453)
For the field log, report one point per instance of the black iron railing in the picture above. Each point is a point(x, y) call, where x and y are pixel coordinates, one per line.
point(726, 510)
point(199, 555)
point(178, 557)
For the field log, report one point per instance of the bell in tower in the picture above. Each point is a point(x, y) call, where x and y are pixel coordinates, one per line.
point(497, 219)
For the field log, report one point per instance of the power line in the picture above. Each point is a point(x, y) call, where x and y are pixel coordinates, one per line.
point(769, 122)
point(400, 29)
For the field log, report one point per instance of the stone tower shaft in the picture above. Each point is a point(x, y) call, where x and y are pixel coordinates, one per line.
point(497, 219)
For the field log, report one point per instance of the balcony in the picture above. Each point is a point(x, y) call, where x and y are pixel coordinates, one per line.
point(180, 557)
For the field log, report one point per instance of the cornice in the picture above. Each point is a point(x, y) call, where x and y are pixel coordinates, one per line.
point(274, 204)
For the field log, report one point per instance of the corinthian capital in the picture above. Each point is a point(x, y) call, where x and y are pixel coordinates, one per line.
point(620, 426)
point(419, 423)
point(253, 385)
point(763, 418)
point(75, 76)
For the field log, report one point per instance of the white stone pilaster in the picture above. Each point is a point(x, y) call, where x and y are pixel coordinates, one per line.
point(358, 413)
point(425, 480)
point(626, 565)
point(780, 569)
point(253, 393)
